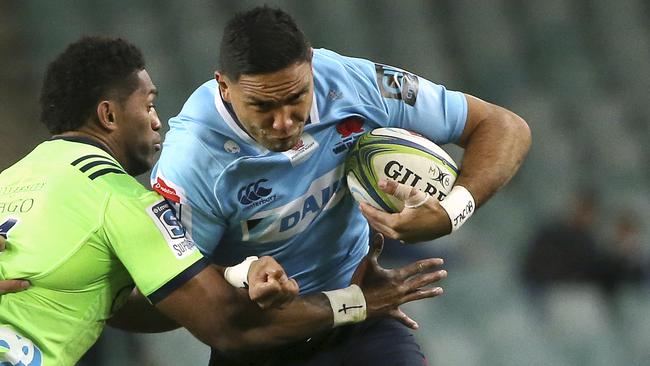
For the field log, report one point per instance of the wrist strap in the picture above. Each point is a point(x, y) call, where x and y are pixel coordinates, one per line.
point(238, 275)
point(459, 205)
point(348, 305)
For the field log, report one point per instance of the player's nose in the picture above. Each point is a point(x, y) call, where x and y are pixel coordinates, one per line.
point(282, 119)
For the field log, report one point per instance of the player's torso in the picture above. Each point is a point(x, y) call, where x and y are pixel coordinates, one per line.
point(294, 205)
point(53, 224)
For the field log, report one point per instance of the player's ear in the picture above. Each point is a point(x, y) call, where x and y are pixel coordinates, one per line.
point(106, 114)
point(223, 85)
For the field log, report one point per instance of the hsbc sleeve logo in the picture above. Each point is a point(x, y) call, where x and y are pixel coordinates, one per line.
point(171, 228)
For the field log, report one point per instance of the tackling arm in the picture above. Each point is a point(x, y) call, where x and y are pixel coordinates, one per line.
point(224, 317)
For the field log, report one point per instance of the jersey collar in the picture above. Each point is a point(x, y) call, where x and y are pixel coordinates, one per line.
point(83, 140)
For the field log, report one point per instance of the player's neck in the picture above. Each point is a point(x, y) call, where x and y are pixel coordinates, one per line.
point(98, 138)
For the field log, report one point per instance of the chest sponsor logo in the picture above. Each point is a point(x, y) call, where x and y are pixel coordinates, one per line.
point(172, 229)
point(16, 350)
point(166, 190)
point(255, 194)
point(350, 129)
point(303, 149)
point(294, 217)
point(397, 84)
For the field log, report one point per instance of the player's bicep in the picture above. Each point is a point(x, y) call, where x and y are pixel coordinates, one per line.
point(147, 235)
point(419, 105)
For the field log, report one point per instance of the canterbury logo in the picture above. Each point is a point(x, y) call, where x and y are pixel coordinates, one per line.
point(253, 192)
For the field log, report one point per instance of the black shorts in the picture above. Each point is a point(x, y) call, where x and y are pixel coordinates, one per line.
point(375, 342)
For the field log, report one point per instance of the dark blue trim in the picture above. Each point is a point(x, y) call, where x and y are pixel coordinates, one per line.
point(86, 157)
point(101, 172)
point(178, 281)
point(98, 162)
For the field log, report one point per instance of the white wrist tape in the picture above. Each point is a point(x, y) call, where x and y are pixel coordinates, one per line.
point(459, 205)
point(238, 275)
point(348, 305)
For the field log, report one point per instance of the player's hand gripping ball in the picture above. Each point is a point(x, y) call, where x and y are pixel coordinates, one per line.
point(402, 156)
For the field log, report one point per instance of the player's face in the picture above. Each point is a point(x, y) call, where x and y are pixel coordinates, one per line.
point(139, 137)
point(273, 107)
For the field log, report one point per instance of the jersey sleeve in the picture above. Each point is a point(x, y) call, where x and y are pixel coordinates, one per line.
point(150, 242)
point(412, 102)
point(180, 175)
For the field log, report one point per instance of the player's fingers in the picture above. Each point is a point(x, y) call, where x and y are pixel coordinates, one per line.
point(292, 287)
point(404, 319)
point(378, 220)
point(273, 293)
point(421, 266)
point(8, 286)
point(277, 274)
point(264, 293)
point(376, 247)
point(425, 279)
point(2, 243)
point(422, 293)
point(406, 194)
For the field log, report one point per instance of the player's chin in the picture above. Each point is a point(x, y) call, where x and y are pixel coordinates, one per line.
point(281, 145)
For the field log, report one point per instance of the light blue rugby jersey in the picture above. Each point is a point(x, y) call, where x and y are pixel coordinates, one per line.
point(236, 198)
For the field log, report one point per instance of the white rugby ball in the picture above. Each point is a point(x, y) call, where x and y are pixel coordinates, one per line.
point(400, 155)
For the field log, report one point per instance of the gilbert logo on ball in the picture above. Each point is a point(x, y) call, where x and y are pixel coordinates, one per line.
point(400, 155)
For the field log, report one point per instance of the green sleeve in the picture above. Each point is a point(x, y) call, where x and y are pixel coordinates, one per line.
point(151, 243)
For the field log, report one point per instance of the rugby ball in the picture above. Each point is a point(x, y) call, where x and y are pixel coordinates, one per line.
point(400, 155)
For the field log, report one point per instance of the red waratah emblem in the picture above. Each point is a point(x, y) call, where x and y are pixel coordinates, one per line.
point(349, 126)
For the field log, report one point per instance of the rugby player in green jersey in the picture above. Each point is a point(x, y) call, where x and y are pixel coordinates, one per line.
point(84, 233)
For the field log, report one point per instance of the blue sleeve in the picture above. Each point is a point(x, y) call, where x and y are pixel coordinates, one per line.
point(181, 176)
point(439, 114)
point(397, 98)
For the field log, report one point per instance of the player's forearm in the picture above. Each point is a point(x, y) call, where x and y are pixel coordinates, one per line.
point(493, 153)
point(225, 318)
point(139, 316)
point(303, 317)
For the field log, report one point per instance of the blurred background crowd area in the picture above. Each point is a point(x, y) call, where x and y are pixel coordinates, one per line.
point(553, 270)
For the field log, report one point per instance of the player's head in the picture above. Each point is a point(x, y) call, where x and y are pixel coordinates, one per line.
point(99, 86)
point(265, 74)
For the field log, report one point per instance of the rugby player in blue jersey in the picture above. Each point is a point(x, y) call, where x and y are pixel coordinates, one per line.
point(254, 166)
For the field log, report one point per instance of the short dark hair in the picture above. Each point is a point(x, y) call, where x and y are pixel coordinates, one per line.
point(260, 41)
point(88, 70)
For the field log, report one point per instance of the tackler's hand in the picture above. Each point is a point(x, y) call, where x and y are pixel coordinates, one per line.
point(421, 219)
point(269, 285)
point(386, 289)
point(7, 286)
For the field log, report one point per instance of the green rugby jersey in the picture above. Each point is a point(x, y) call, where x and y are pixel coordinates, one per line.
point(83, 232)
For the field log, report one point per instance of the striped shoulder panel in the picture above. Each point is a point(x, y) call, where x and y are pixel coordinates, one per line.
point(95, 165)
